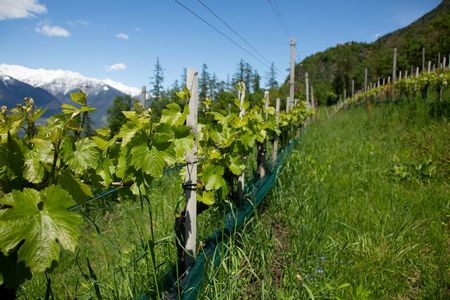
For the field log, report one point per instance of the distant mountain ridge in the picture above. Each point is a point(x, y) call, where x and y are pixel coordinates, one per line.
point(331, 71)
point(59, 84)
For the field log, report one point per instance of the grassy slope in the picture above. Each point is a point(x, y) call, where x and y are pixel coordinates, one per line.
point(354, 214)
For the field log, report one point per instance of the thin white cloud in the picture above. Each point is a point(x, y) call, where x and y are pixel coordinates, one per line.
point(52, 31)
point(122, 36)
point(17, 9)
point(376, 35)
point(116, 67)
point(77, 22)
point(137, 29)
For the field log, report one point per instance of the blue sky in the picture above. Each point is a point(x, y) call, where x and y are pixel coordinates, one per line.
point(120, 40)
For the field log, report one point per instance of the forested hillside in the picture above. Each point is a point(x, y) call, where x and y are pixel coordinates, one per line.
point(332, 70)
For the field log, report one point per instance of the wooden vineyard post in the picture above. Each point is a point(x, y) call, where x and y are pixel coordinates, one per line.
point(400, 75)
point(307, 87)
point(439, 59)
point(429, 66)
point(262, 146)
point(444, 63)
point(190, 182)
point(275, 142)
point(313, 101)
point(394, 72)
point(365, 80)
point(353, 88)
point(423, 60)
point(241, 178)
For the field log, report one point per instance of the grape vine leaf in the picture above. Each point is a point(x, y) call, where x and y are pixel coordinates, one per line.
point(85, 155)
point(150, 161)
point(41, 220)
point(213, 178)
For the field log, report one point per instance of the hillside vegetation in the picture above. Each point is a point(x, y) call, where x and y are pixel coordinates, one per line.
point(331, 71)
point(361, 211)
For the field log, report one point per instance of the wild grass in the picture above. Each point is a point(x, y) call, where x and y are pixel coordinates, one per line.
point(361, 211)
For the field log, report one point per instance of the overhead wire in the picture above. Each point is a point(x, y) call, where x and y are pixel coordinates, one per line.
point(279, 16)
point(221, 32)
point(234, 31)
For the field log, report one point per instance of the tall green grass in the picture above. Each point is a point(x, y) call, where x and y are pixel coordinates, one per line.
point(361, 211)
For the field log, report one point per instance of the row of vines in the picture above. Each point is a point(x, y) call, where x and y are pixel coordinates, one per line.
point(47, 169)
point(413, 86)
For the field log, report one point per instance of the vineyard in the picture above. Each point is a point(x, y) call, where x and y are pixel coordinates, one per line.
point(55, 179)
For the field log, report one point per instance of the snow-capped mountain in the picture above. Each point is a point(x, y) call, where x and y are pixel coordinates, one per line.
point(60, 83)
point(13, 91)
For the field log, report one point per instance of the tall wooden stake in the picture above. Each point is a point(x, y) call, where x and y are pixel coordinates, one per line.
point(365, 80)
point(313, 101)
point(423, 60)
point(241, 178)
point(190, 233)
point(292, 77)
point(429, 66)
point(353, 88)
point(275, 142)
point(307, 87)
point(394, 72)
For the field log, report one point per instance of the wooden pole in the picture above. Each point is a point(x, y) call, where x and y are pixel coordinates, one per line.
point(365, 80)
point(444, 63)
point(423, 60)
point(439, 59)
point(429, 66)
point(400, 75)
point(143, 96)
point(394, 71)
point(307, 87)
point(190, 232)
point(292, 75)
point(262, 146)
point(275, 142)
point(353, 88)
point(313, 101)
point(241, 178)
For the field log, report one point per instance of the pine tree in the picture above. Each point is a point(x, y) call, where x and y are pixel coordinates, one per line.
point(115, 116)
point(157, 81)
point(183, 77)
point(204, 83)
point(271, 78)
point(256, 82)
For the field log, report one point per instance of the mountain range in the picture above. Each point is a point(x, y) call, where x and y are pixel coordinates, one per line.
point(51, 88)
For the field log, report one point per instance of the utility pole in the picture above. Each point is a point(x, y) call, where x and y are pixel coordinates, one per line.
point(144, 96)
point(291, 81)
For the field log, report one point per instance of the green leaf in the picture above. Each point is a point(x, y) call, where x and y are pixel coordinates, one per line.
point(150, 161)
point(207, 197)
point(173, 116)
point(84, 156)
point(213, 178)
point(42, 221)
point(36, 158)
point(235, 165)
point(79, 191)
point(78, 97)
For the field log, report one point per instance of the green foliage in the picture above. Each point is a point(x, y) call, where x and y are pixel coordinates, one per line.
point(41, 220)
point(332, 70)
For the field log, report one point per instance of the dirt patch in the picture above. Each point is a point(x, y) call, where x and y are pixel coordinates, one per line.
point(281, 236)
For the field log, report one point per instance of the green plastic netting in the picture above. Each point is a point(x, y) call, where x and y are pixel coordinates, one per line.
point(196, 276)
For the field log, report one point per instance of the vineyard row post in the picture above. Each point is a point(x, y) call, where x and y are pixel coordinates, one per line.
point(292, 75)
point(241, 178)
point(394, 72)
point(275, 142)
point(191, 172)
